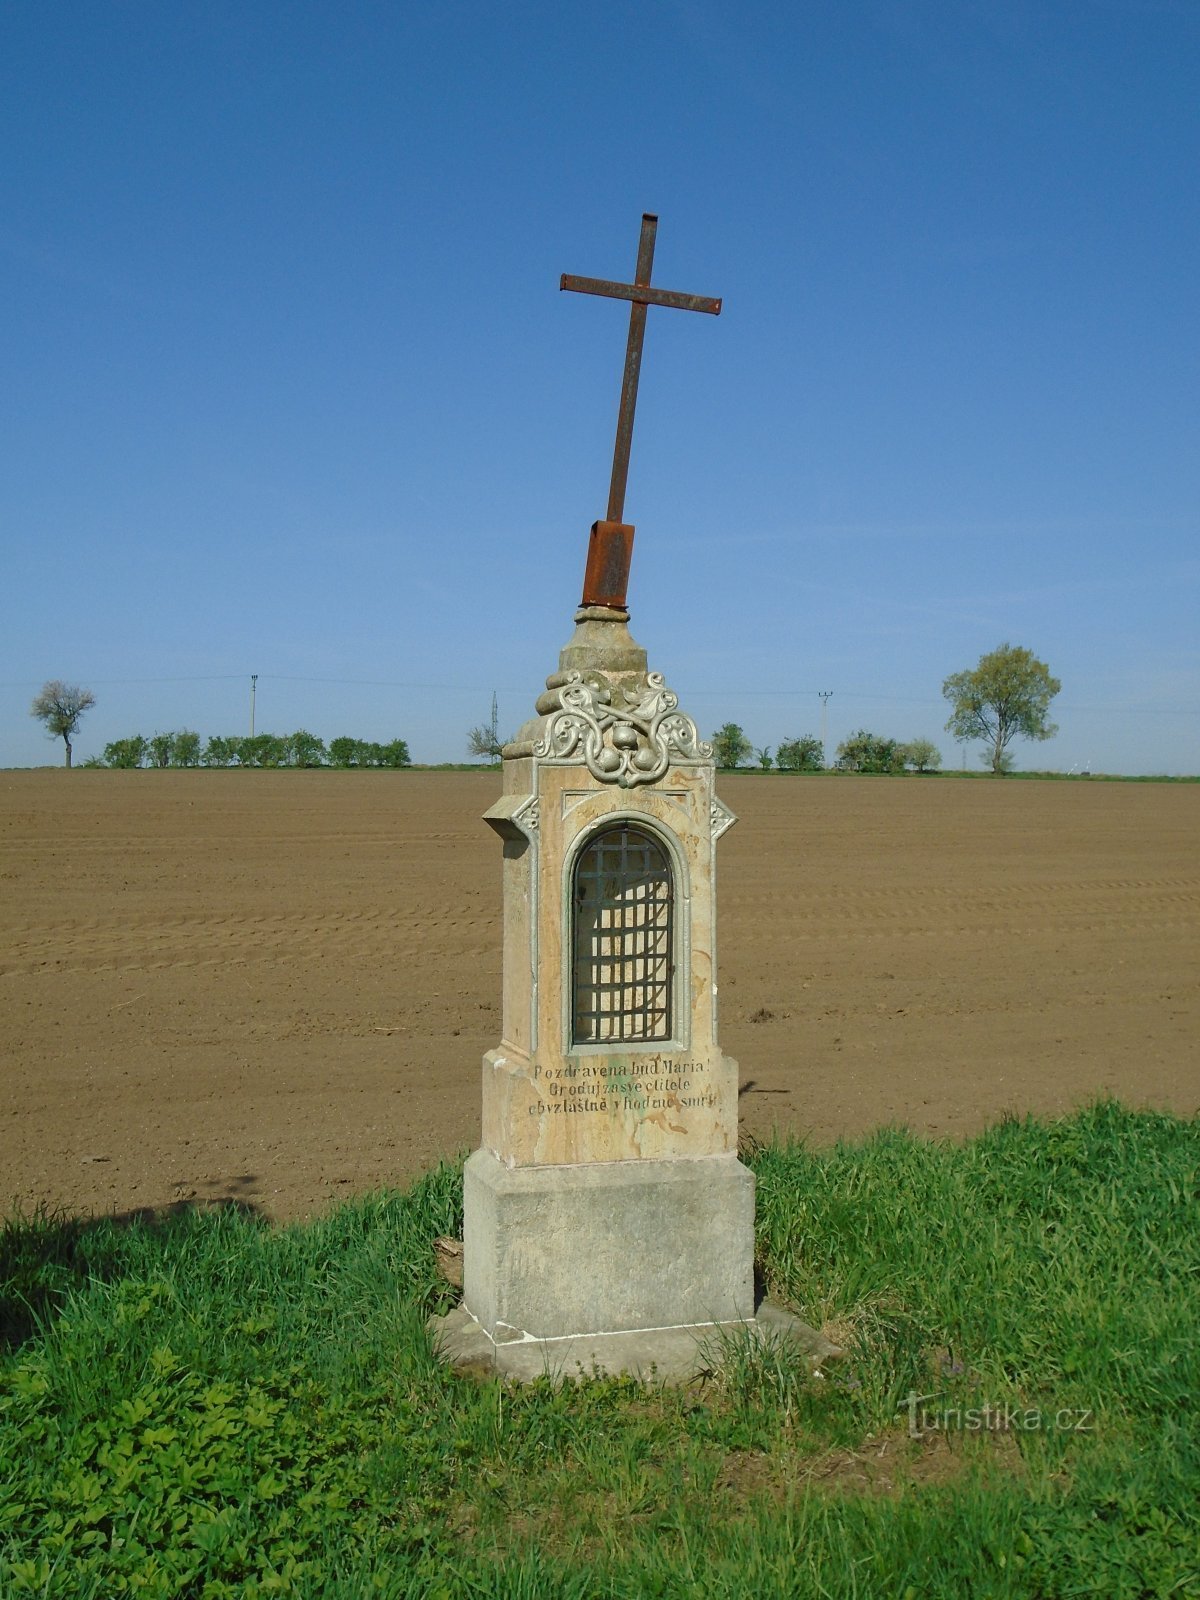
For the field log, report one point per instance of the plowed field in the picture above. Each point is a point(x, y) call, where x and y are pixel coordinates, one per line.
point(276, 987)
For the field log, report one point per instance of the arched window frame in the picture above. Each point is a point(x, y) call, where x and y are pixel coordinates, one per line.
point(680, 947)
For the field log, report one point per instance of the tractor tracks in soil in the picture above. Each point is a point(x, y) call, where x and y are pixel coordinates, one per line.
point(1119, 907)
point(153, 943)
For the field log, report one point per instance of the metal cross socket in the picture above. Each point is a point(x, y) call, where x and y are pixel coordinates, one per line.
point(610, 550)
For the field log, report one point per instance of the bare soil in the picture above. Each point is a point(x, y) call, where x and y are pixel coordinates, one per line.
point(276, 987)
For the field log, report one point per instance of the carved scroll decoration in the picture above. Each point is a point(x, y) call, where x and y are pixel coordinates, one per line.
point(624, 736)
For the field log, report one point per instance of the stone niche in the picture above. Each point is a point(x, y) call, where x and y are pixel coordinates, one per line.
point(606, 1200)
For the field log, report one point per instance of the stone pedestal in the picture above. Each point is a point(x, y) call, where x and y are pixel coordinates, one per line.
point(608, 1221)
point(608, 1247)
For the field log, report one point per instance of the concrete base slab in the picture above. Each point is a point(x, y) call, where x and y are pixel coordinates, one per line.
point(654, 1355)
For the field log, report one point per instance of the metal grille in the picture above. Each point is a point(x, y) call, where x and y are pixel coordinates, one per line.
point(621, 958)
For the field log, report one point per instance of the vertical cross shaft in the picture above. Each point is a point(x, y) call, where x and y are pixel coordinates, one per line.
point(633, 367)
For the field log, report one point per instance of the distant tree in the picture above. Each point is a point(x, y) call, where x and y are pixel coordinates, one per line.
point(395, 754)
point(1007, 694)
point(220, 751)
point(262, 750)
point(763, 757)
point(162, 749)
point(869, 752)
point(731, 746)
point(126, 753)
point(922, 755)
point(187, 748)
point(342, 751)
point(60, 705)
point(305, 750)
point(800, 755)
point(482, 742)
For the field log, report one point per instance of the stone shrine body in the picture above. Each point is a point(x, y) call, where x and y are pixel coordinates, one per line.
point(607, 1197)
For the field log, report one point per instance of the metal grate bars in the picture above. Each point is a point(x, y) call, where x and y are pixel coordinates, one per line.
point(622, 939)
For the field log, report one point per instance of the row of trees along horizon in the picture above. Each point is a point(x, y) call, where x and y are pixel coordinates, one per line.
point(1006, 695)
point(862, 752)
point(300, 749)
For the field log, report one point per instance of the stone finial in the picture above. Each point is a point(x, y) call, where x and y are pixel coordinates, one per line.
point(602, 643)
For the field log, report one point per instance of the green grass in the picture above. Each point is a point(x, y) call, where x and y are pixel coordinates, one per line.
point(202, 1405)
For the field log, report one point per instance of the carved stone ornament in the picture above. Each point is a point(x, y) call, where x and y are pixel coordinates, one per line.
point(514, 816)
point(624, 735)
point(720, 817)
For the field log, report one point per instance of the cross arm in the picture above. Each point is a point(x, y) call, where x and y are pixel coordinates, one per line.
point(642, 293)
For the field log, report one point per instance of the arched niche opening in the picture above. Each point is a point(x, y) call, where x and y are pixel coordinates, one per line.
point(622, 939)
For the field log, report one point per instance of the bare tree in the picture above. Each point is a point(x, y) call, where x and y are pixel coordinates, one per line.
point(60, 706)
point(484, 742)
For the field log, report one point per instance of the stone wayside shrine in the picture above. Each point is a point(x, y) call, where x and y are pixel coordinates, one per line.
point(608, 1221)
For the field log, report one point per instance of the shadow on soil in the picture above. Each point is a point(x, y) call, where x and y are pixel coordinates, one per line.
point(44, 1256)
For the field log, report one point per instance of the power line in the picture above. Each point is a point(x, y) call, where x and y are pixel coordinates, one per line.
point(105, 683)
point(728, 693)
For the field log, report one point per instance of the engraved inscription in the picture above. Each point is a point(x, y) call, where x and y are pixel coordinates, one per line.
point(645, 1085)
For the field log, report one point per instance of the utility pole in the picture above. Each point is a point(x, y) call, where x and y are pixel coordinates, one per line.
point(495, 728)
point(253, 692)
point(824, 696)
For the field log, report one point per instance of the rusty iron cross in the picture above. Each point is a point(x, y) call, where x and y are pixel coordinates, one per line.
point(612, 541)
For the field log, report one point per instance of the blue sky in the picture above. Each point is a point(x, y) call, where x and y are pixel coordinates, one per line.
point(290, 387)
